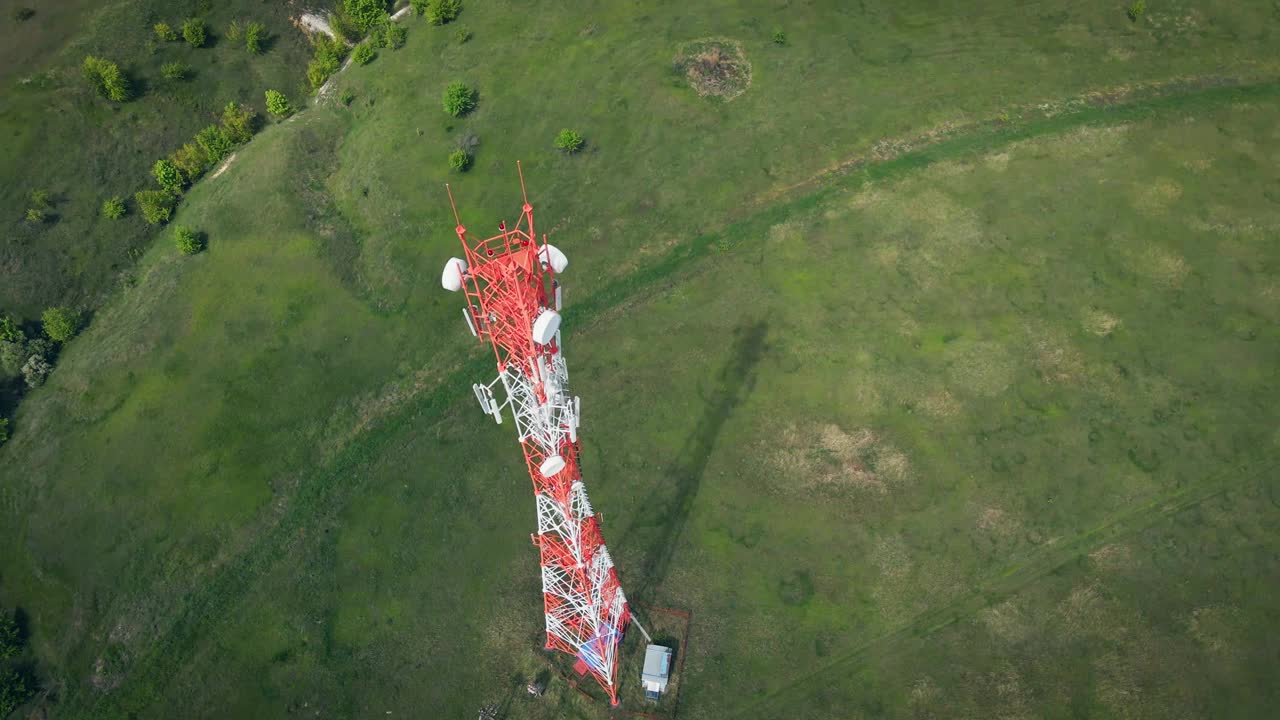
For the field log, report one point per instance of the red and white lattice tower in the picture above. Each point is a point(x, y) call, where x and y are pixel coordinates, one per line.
point(513, 302)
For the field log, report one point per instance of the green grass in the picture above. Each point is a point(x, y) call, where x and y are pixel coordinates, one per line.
point(60, 136)
point(982, 423)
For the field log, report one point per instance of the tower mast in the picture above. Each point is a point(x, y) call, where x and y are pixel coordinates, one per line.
point(513, 303)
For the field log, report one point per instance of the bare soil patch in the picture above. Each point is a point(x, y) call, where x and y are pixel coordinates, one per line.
point(715, 67)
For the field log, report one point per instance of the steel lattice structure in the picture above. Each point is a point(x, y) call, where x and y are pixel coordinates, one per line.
point(513, 302)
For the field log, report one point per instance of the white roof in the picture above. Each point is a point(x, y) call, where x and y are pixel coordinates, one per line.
point(657, 664)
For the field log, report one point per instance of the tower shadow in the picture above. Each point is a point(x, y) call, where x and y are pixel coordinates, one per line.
point(661, 518)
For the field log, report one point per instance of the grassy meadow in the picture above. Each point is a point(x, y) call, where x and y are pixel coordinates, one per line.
point(934, 375)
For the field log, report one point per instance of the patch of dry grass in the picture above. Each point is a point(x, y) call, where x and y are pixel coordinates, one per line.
point(715, 67)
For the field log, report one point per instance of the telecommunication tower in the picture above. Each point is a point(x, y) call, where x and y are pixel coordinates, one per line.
point(513, 303)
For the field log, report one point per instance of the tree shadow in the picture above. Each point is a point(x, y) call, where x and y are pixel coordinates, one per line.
point(667, 513)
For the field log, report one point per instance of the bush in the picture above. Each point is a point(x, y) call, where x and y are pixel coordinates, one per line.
point(168, 176)
point(326, 61)
point(458, 98)
point(10, 331)
point(395, 35)
point(193, 31)
point(214, 143)
point(10, 637)
point(23, 14)
point(35, 216)
point(175, 70)
point(459, 160)
point(35, 370)
point(439, 12)
point(105, 77)
point(779, 37)
point(366, 14)
point(113, 208)
point(188, 240)
point(570, 141)
point(461, 34)
point(1136, 10)
point(165, 32)
point(235, 31)
point(254, 35)
point(60, 323)
point(346, 96)
point(278, 104)
point(237, 123)
point(156, 206)
point(14, 690)
point(363, 54)
point(4, 435)
point(41, 201)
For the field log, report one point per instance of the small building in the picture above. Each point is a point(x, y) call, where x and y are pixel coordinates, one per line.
point(657, 670)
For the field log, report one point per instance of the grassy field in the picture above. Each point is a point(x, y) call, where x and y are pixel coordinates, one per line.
point(934, 375)
point(61, 137)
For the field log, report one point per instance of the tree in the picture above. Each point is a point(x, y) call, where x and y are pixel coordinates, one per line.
point(438, 12)
point(570, 141)
point(165, 32)
point(193, 31)
point(216, 143)
point(188, 240)
point(168, 176)
point(255, 33)
point(4, 435)
point(113, 208)
point(156, 205)
point(9, 330)
point(60, 323)
point(105, 78)
point(458, 98)
point(278, 104)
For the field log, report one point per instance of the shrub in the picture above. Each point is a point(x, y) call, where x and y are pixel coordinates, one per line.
point(278, 104)
point(168, 176)
point(1136, 10)
point(363, 54)
point(60, 323)
point(191, 159)
point(188, 240)
point(105, 77)
point(10, 637)
point(459, 160)
point(458, 98)
point(165, 32)
point(35, 216)
point(175, 70)
point(439, 12)
point(215, 143)
point(254, 35)
point(395, 35)
point(779, 37)
point(193, 31)
point(237, 123)
point(14, 690)
point(23, 14)
point(35, 370)
point(346, 96)
point(461, 34)
point(570, 141)
point(113, 208)
point(156, 205)
point(4, 435)
point(235, 31)
point(12, 354)
point(10, 331)
point(365, 13)
point(326, 61)
point(42, 199)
